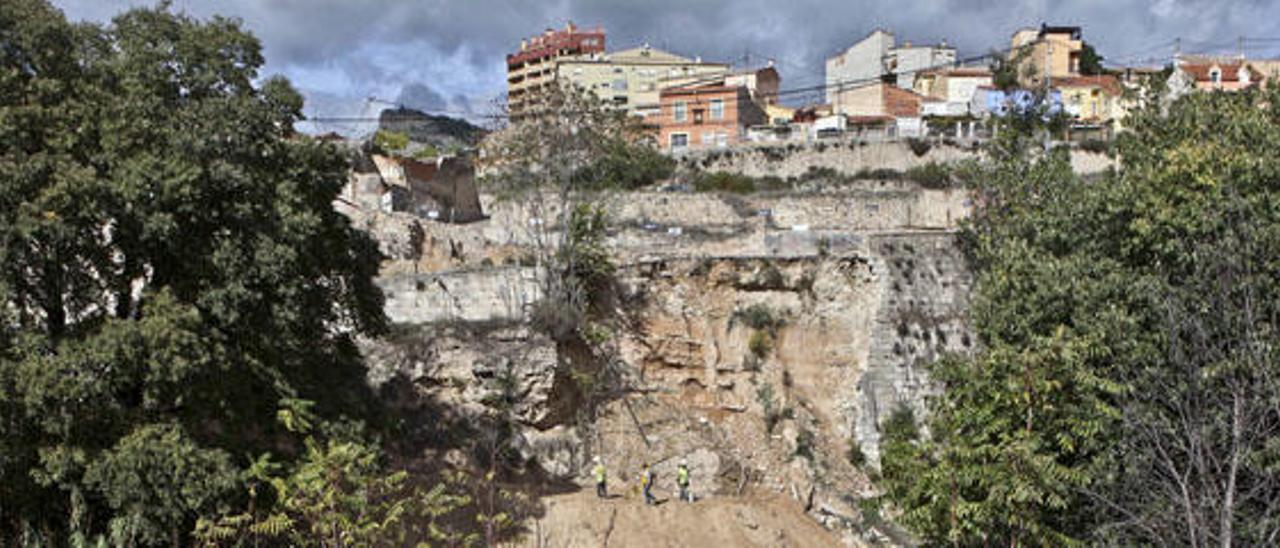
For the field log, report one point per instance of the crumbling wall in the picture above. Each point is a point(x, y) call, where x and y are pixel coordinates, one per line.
point(923, 285)
point(648, 224)
point(499, 294)
point(850, 157)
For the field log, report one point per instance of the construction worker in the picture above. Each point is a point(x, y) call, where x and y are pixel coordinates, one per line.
point(646, 484)
point(682, 480)
point(599, 473)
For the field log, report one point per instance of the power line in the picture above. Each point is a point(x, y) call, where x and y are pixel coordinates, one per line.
point(842, 85)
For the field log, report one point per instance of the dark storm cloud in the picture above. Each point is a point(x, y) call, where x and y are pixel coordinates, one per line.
point(422, 97)
point(440, 50)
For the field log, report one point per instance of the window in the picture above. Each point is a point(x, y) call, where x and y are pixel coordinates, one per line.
point(717, 109)
point(620, 85)
point(679, 140)
point(708, 138)
point(1215, 76)
point(681, 112)
point(722, 139)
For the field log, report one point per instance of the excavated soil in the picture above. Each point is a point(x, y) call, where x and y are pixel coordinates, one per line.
point(580, 519)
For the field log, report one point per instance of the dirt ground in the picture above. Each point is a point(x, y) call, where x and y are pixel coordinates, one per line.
point(579, 519)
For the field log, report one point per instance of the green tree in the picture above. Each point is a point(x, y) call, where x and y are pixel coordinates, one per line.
point(1125, 392)
point(1004, 68)
point(1022, 428)
point(1090, 61)
point(627, 165)
point(391, 141)
point(171, 269)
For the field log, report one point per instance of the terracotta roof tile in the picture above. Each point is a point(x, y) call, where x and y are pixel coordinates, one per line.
point(1106, 82)
point(1230, 71)
point(901, 103)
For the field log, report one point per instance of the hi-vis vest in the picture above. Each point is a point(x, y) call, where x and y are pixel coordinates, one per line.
point(682, 476)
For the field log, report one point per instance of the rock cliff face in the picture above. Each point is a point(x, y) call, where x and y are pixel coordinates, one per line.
point(764, 357)
point(440, 131)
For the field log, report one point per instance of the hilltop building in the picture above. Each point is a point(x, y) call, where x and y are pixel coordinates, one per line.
point(1213, 73)
point(534, 66)
point(948, 92)
point(716, 112)
point(631, 79)
point(1052, 52)
point(878, 57)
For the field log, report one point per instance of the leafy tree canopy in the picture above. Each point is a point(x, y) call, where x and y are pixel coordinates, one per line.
point(171, 269)
point(1125, 393)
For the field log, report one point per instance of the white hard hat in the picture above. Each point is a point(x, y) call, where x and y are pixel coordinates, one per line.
point(684, 462)
point(596, 459)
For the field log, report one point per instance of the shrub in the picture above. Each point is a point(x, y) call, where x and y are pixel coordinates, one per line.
point(585, 253)
point(771, 182)
point(804, 444)
point(919, 147)
point(1096, 146)
point(390, 141)
point(855, 455)
point(771, 278)
point(764, 395)
point(816, 173)
point(877, 174)
point(557, 318)
point(426, 152)
point(721, 181)
point(758, 316)
point(625, 166)
point(931, 175)
point(870, 510)
point(760, 344)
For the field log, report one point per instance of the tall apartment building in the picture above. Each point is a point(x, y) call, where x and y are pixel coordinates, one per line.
point(631, 79)
point(534, 66)
point(878, 57)
point(1052, 50)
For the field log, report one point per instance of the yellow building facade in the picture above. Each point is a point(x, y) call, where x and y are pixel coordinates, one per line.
point(1056, 49)
point(631, 79)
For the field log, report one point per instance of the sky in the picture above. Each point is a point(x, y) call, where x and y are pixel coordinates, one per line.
point(448, 56)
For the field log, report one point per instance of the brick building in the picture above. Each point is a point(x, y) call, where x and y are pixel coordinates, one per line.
point(706, 116)
point(715, 112)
